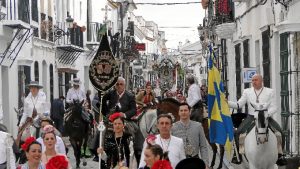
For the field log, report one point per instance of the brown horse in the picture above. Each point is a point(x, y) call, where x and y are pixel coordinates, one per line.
point(168, 105)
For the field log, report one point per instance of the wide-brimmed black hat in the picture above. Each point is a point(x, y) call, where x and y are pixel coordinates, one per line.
point(34, 84)
point(191, 163)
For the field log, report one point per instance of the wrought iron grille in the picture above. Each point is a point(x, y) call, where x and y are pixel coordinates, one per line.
point(266, 57)
point(238, 70)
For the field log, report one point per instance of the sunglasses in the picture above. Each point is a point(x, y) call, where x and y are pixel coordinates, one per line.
point(119, 84)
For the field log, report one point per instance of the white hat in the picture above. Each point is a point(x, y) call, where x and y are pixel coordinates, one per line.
point(34, 84)
point(76, 81)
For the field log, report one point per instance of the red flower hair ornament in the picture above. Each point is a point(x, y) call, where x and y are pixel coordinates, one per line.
point(57, 162)
point(162, 164)
point(114, 116)
point(151, 139)
point(27, 142)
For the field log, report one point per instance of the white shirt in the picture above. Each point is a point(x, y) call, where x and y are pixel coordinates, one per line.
point(266, 96)
point(59, 146)
point(194, 95)
point(40, 104)
point(75, 94)
point(6, 143)
point(157, 91)
point(174, 146)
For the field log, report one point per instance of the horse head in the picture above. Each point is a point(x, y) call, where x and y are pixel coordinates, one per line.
point(261, 122)
point(77, 106)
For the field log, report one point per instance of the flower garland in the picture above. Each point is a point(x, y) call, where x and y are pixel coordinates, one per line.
point(27, 142)
point(114, 116)
point(162, 164)
point(57, 162)
point(151, 139)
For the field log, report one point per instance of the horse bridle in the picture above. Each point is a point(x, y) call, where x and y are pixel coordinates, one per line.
point(266, 126)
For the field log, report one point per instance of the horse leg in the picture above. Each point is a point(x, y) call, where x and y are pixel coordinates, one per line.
point(76, 150)
point(84, 163)
point(215, 150)
point(222, 150)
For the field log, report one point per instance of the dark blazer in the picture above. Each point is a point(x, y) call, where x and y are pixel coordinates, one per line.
point(57, 109)
point(127, 101)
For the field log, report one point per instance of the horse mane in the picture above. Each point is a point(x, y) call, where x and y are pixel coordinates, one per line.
point(170, 99)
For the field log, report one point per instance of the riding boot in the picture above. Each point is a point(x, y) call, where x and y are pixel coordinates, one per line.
point(281, 161)
point(235, 160)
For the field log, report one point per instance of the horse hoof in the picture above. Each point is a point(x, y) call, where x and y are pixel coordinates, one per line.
point(84, 163)
point(77, 167)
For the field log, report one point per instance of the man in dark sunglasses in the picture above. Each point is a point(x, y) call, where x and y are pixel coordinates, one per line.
point(121, 100)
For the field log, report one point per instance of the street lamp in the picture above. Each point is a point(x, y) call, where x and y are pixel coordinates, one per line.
point(59, 32)
point(69, 21)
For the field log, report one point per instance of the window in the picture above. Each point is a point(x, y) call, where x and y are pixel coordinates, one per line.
point(246, 64)
point(67, 80)
point(34, 10)
point(3, 3)
point(43, 26)
point(60, 84)
point(23, 80)
point(23, 10)
point(50, 28)
point(266, 58)
point(246, 57)
point(224, 62)
point(36, 32)
point(51, 82)
point(238, 70)
point(36, 71)
point(284, 80)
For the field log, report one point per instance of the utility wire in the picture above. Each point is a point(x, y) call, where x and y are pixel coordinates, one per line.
point(170, 3)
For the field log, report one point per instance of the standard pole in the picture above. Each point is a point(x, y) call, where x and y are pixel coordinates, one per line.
point(101, 126)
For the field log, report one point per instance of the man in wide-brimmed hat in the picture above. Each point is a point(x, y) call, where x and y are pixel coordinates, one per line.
point(35, 107)
point(75, 93)
point(35, 103)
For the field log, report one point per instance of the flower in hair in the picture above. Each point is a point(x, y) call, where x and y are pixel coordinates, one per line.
point(57, 162)
point(48, 129)
point(162, 164)
point(151, 139)
point(27, 142)
point(114, 116)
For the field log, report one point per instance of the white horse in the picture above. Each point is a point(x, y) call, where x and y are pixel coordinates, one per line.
point(147, 122)
point(261, 143)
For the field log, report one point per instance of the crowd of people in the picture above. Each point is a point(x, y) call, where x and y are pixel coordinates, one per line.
point(175, 145)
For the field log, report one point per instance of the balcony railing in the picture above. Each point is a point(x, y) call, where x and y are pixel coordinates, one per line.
point(92, 32)
point(68, 36)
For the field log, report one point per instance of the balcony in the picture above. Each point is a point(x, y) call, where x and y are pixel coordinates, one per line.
point(224, 11)
point(68, 37)
point(69, 42)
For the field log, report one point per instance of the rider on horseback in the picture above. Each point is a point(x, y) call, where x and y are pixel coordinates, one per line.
point(35, 105)
point(75, 93)
point(146, 98)
point(257, 94)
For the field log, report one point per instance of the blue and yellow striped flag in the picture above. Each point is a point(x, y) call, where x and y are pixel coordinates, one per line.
point(220, 123)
